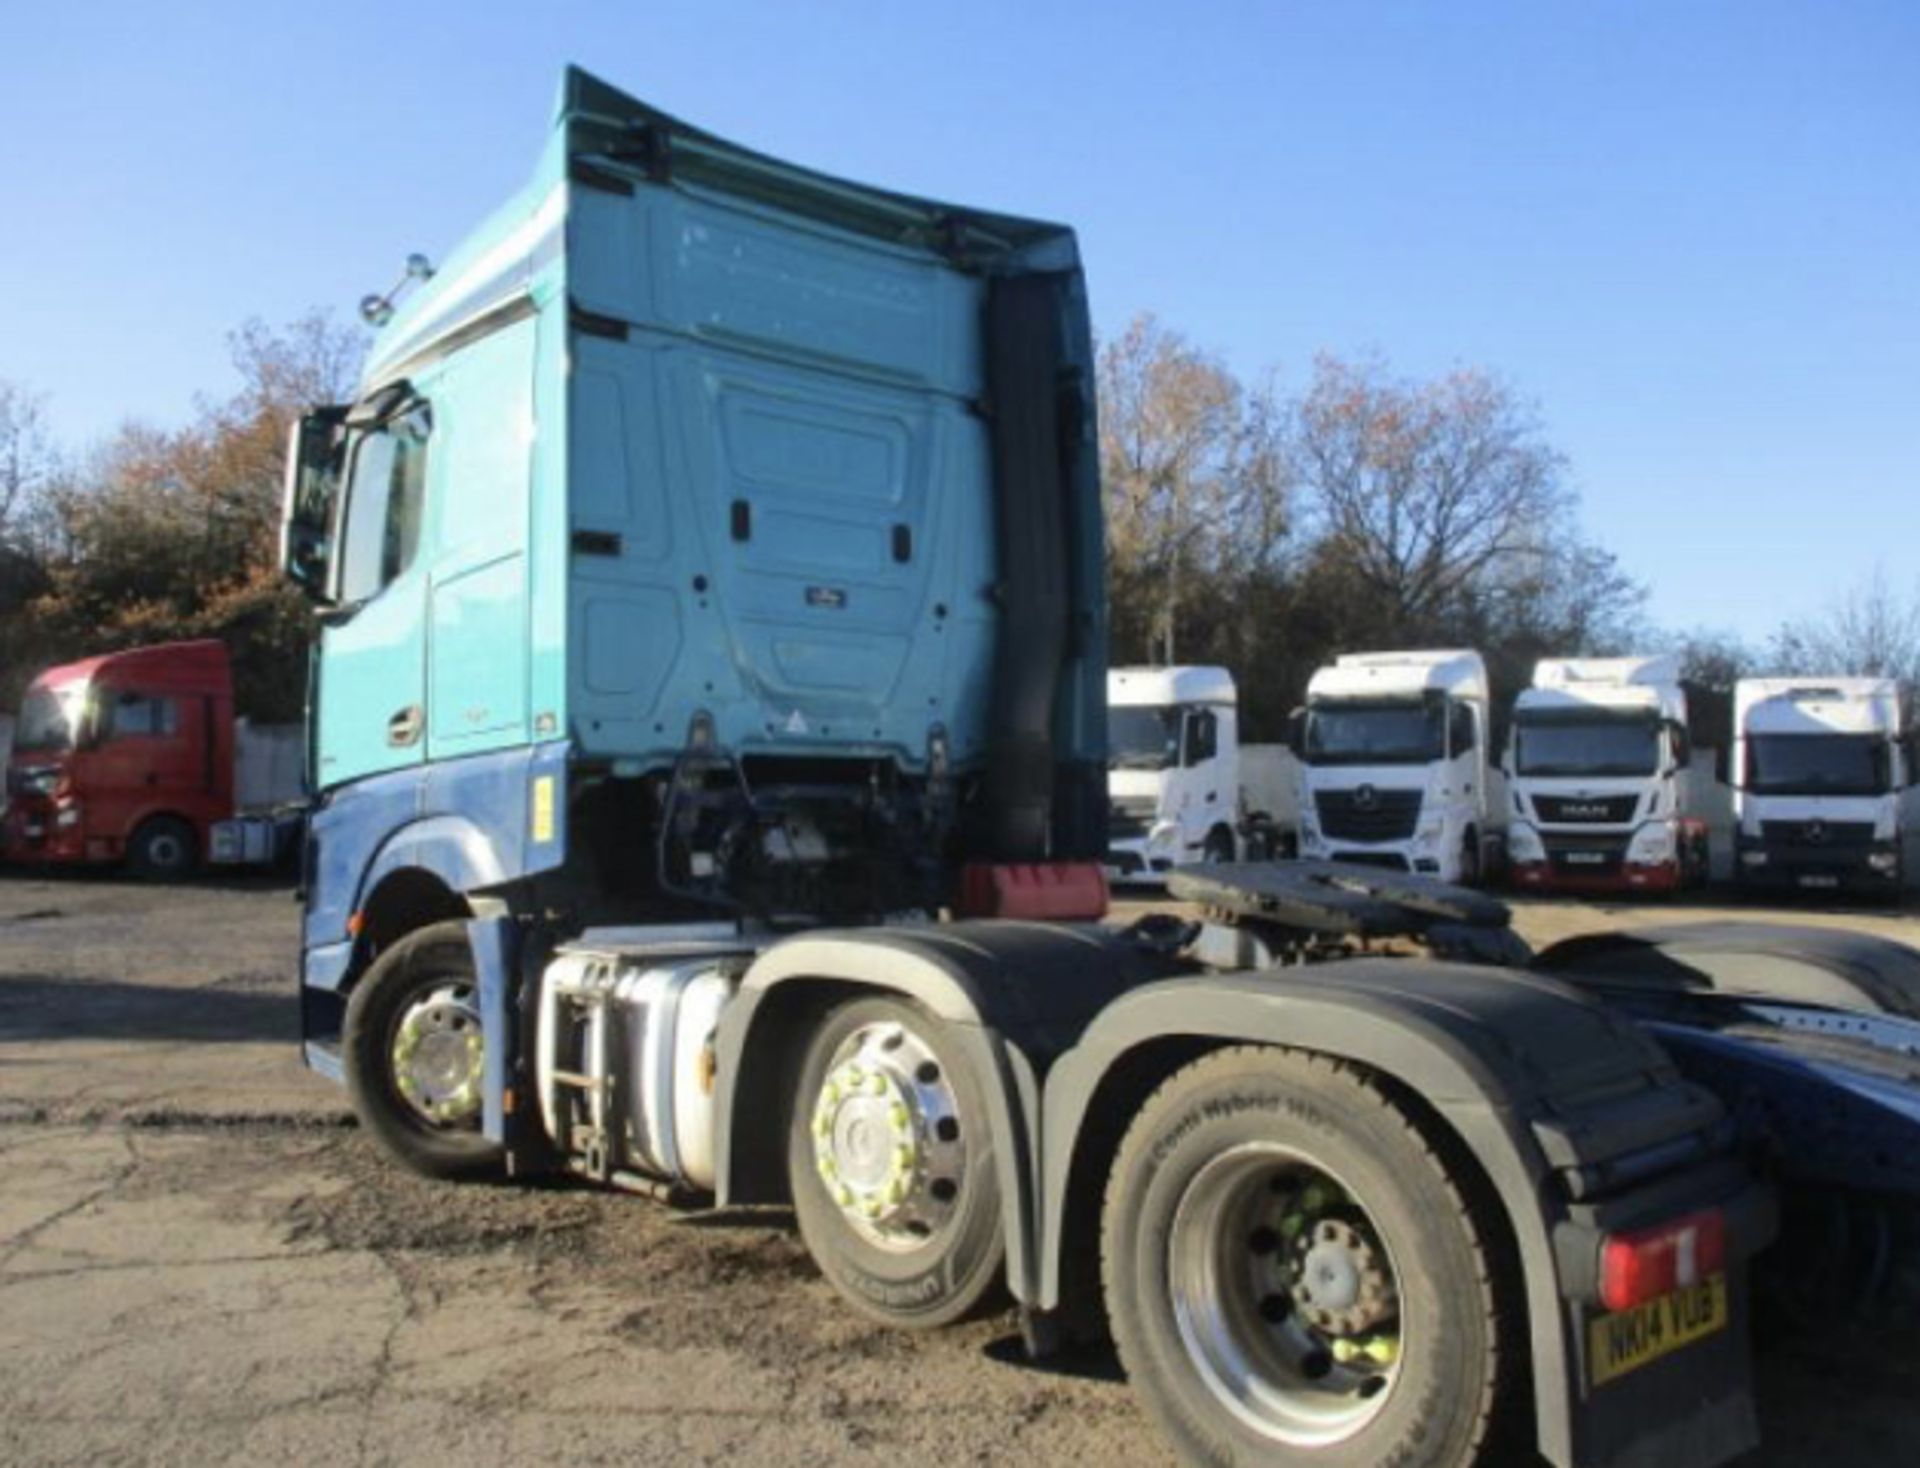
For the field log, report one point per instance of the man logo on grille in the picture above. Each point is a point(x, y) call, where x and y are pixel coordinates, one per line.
point(1365, 798)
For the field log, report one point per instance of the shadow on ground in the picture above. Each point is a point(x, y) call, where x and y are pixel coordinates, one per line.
point(34, 1008)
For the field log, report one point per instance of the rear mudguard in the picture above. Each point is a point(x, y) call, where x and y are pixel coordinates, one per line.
point(1577, 1118)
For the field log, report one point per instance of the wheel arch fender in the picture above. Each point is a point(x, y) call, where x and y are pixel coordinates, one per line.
point(760, 1041)
point(1429, 1041)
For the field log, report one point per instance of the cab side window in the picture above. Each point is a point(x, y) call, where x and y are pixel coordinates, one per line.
point(139, 715)
point(386, 493)
point(1461, 736)
point(1203, 735)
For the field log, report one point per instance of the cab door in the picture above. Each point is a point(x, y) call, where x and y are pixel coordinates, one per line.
point(372, 704)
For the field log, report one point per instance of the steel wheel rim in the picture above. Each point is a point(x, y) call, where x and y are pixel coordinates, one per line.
point(1243, 1289)
point(438, 1056)
point(889, 1143)
point(166, 850)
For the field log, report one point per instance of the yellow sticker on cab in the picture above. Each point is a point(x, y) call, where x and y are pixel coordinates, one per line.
point(542, 822)
point(1629, 1339)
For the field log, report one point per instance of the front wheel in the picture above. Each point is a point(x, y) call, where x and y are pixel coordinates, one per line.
point(1472, 860)
point(891, 1164)
point(1296, 1274)
point(164, 849)
point(415, 1054)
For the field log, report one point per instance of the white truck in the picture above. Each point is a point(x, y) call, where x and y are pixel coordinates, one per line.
point(1173, 770)
point(1818, 768)
point(1596, 765)
point(1394, 768)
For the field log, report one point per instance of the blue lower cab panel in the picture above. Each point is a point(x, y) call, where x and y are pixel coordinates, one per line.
point(474, 824)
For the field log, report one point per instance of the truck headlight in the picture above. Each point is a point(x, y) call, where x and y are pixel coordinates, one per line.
point(68, 815)
point(1524, 843)
point(1753, 858)
point(1651, 844)
point(1884, 862)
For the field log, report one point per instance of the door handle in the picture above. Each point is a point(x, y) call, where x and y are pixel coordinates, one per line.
point(404, 727)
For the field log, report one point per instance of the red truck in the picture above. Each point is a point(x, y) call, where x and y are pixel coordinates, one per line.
point(124, 757)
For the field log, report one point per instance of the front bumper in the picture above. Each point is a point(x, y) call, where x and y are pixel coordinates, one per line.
point(1138, 861)
point(1546, 876)
point(1781, 867)
point(34, 832)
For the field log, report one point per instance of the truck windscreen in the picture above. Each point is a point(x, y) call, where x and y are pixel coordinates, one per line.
point(48, 719)
point(1586, 744)
point(1375, 733)
point(1143, 738)
point(1818, 764)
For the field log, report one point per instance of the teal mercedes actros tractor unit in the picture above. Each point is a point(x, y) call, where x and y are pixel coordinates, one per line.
point(709, 797)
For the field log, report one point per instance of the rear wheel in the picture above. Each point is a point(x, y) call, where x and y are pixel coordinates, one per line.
point(415, 1055)
point(1219, 847)
point(891, 1165)
point(1295, 1274)
point(164, 849)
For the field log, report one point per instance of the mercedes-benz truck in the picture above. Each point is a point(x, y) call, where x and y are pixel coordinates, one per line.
point(1819, 765)
point(1597, 774)
point(711, 560)
point(1394, 769)
point(1173, 770)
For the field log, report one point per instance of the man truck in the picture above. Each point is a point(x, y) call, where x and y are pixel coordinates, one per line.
point(1394, 764)
point(1597, 770)
point(1173, 770)
point(126, 757)
point(710, 752)
point(1819, 765)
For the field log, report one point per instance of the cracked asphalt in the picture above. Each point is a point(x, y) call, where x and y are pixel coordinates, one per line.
point(202, 1260)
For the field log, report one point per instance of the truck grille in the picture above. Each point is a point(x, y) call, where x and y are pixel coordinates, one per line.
point(1582, 810)
point(1585, 856)
point(1132, 817)
point(1367, 814)
point(1833, 835)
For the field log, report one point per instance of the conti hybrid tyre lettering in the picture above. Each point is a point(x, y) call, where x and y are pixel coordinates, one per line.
point(1297, 1274)
point(891, 1166)
point(415, 1055)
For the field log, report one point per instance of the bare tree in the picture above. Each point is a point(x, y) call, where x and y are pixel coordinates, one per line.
point(27, 459)
point(1426, 491)
point(1872, 630)
point(1195, 472)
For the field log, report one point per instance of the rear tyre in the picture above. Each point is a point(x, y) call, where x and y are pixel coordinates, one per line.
point(415, 1055)
point(1471, 861)
point(1296, 1273)
point(891, 1164)
point(163, 849)
point(1219, 847)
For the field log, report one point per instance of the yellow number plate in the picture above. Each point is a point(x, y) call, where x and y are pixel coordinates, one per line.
point(1628, 1339)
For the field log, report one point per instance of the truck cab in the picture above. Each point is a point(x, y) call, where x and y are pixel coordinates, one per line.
point(1173, 777)
point(1394, 767)
point(1596, 765)
point(123, 757)
point(1818, 768)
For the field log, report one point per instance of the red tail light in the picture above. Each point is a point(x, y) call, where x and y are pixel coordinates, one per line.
point(1651, 1262)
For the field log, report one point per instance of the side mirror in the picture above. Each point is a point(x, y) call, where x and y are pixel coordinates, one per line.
point(1297, 733)
point(314, 455)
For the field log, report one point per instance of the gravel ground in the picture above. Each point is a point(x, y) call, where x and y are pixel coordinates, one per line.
point(202, 1260)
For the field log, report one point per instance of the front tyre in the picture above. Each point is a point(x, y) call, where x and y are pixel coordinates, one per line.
point(891, 1164)
point(1296, 1274)
point(164, 849)
point(415, 1055)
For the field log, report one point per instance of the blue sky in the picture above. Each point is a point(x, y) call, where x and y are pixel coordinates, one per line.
point(1690, 231)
